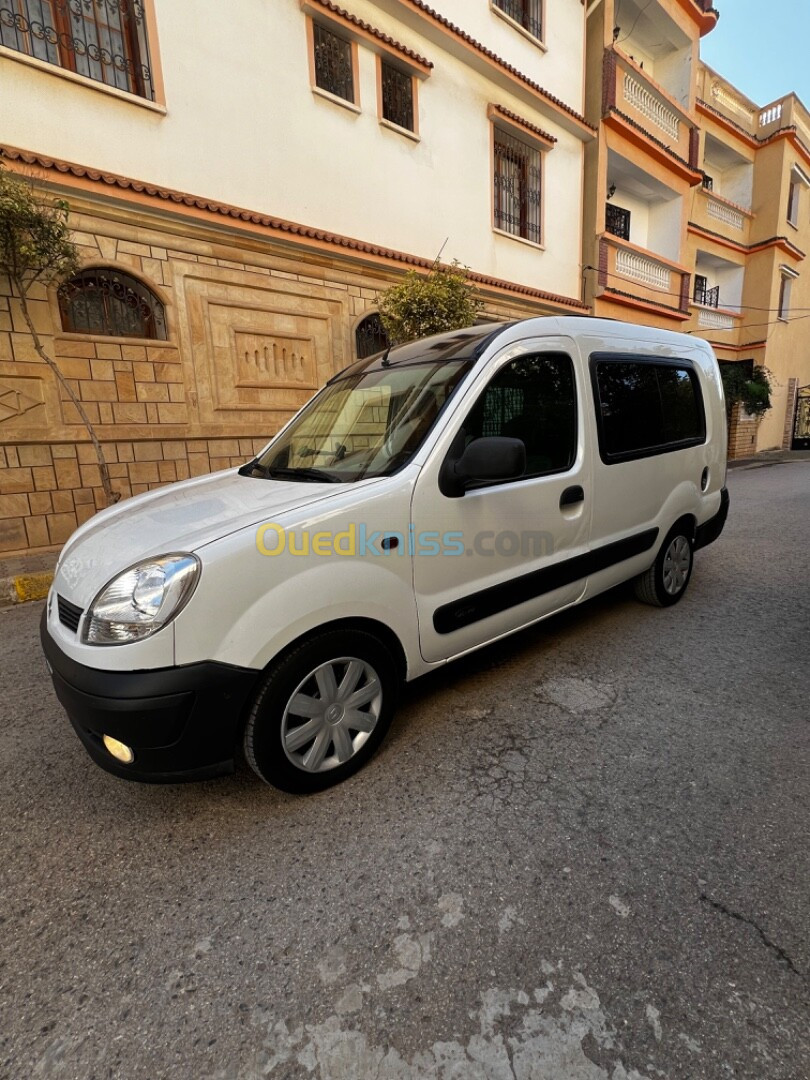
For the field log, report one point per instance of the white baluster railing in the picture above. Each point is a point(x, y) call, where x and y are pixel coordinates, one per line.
point(632, 265)
point(651, 107)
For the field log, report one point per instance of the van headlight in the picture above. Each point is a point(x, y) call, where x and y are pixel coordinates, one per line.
point(140, 601)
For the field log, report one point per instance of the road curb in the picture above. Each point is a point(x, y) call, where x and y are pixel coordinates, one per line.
point(24, 587)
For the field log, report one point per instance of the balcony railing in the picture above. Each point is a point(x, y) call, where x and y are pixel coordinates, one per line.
point(706, 296)
point(632, 93)
point(617, 221)
point(642, 275)
point(715, 320)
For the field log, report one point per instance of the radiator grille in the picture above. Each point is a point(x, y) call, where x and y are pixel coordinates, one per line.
point(69, 614)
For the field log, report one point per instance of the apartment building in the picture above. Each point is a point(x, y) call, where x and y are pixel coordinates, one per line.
point(697, 214)
point(748, 236)
point(639, 176)
point(241, 186)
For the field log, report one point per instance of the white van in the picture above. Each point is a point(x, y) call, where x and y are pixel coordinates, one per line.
point(425, 503)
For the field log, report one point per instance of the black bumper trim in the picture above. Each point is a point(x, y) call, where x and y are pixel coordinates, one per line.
point(181, 722)
point(710, 530)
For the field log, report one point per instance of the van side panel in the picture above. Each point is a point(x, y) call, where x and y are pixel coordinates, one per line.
point(653, 492)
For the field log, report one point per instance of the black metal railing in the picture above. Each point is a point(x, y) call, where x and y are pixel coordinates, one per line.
point(518, 182)
point(108, 302)
point(334, 70)
point(527, 13)
point(708, 182)
point(104, 40)
point(397, 96)
point(617, 221)
point(704, 295)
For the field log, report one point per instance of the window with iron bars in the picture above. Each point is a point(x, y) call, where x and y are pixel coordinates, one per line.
point(517, 187)
point(397, 96)
point(104, 40)
point(617, 221)
point(527, 13)
point(704, 295)
point(334, 69)
point(108, 302)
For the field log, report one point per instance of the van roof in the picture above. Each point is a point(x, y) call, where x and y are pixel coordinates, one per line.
point(470, 343)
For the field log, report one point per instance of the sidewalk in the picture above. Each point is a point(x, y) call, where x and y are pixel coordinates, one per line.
point(26, 577)
point(770, 457)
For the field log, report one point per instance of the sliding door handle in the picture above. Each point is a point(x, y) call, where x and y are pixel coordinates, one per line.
point(571, 496)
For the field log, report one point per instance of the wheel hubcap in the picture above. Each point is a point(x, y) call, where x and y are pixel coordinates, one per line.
point(331, 714)
point(677, 563)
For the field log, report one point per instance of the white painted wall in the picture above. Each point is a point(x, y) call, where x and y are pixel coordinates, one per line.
point(243, 126)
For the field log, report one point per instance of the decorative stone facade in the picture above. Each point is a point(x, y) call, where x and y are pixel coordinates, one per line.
point(255, 326)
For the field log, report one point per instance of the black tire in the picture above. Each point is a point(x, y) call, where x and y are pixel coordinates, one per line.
point(277, 742)
point(665, 582)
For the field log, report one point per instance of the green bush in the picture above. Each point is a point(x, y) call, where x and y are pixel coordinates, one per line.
point(422, 305)
point(750, 387)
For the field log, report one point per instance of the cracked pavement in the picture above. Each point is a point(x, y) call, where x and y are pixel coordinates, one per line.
point(580, 855)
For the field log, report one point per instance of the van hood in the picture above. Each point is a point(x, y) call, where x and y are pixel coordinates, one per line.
point(183, 517)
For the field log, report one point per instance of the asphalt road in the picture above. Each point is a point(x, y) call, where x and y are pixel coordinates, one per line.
point(580, 855)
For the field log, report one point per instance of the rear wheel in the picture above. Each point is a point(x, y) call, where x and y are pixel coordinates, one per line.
point(666, 580)
point(321, 711)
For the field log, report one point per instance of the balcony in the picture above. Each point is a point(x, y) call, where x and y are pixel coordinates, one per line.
point(641, 277)
point(717, 293)
point(658, 46)
point(644, 104)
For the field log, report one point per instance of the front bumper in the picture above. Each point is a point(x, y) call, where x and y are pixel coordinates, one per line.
point(181, 722)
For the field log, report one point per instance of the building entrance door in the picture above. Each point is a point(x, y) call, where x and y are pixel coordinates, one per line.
point(801, 422)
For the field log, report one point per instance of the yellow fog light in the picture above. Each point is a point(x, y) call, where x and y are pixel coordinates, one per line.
point(120, 751)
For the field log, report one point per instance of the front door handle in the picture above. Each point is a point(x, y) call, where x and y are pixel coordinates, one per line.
point(571, 496)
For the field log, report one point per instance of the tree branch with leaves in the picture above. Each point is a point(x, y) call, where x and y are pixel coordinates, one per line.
point(425, 304)
point(36, 248)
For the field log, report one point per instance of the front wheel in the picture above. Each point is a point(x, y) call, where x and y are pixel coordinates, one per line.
point(321, 711)
point(666, 580)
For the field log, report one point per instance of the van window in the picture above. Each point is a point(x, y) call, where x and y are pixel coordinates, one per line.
point(533, 399)
point(646, 407)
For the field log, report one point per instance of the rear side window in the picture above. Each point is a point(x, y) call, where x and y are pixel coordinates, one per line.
point(646, 407)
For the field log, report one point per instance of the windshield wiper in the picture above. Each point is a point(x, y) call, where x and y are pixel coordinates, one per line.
point(255, 468)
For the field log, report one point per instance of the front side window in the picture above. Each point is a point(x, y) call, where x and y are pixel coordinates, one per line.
point(107, 302)
point(526, 13)
point(532, 399)
point(397, 96)
point(646, 407)
point(104, 40)
point(334, 63)
point(517, 187)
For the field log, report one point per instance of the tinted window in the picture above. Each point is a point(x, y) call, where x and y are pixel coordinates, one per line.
point(646, 407)
point(533, 399)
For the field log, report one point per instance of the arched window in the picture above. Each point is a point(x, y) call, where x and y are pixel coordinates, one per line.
point(102, 301)
point(370, 336)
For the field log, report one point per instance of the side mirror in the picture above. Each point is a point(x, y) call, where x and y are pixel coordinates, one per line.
point(485, 459)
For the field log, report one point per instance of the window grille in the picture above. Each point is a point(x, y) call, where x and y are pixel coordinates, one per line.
point(370, 336)
point(617, 221)
point(517, 182)
point(397, 96)
point(104, 40)
point(527, 13)
point(111, 303)
point(334, 70)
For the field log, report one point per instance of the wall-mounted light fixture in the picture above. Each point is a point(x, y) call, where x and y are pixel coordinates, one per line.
point(611, 192)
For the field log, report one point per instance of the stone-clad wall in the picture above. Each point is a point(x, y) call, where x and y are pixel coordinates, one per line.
point(254, 328)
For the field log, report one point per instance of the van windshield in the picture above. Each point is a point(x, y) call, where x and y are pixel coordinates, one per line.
point(363, 424)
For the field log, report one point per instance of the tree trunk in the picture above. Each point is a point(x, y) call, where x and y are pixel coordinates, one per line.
point(111, 496)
